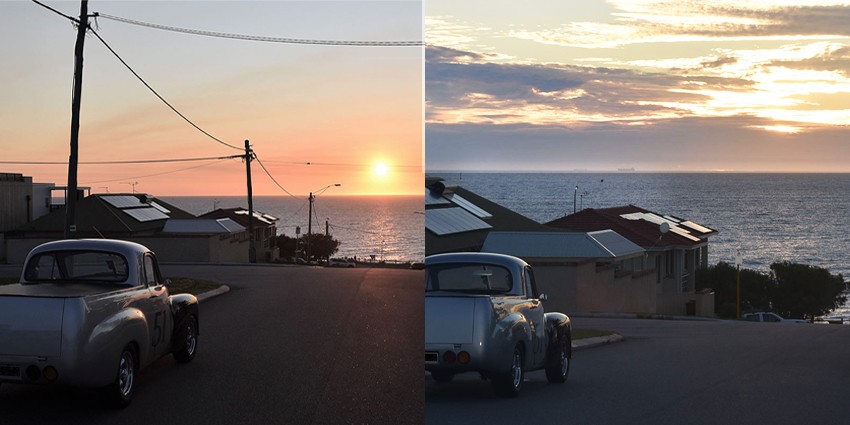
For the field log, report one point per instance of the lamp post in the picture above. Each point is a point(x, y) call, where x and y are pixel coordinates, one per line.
point(310, 215)
point(575, 193)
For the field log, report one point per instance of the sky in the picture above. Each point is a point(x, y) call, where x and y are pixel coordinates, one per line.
point(315, 115)
point(671, 85)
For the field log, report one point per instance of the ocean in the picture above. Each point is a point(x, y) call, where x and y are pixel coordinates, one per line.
point(802, 218)
point(392, 228)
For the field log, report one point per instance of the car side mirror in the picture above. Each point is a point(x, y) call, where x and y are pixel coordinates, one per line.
point(543, 297)
point(167, 282)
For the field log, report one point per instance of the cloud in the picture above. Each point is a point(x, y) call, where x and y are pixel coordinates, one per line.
point(565, 95)
point(641, 22)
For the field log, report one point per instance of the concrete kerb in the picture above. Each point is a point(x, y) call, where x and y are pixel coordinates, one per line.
point(585, 343)
point(223, 289)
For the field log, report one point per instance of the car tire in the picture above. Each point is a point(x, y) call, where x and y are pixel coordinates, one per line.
point(186, 340)
point(442, 377)
point(120, 391)
point(509, 384)
point(558, 361)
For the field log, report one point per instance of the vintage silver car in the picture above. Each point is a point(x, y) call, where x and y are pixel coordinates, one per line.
point(91, 313)
point(483, 314)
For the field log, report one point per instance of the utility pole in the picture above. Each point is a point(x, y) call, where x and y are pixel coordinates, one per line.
point(309, 226)
point(73, 159)
point(252, 250)
point(327, 226)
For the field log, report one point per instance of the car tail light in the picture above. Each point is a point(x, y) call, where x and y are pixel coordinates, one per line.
point(33, 373)
point(463, 357)
point(449, 357)
point(50, 373)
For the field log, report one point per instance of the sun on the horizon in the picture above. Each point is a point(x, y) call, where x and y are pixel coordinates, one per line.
point(381, 169)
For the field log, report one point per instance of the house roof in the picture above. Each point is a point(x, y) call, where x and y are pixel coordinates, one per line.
point(457, 219)
point(603, 244)
point(107, 215)
point(202, 225)
point(240, 215)
point(641, 226)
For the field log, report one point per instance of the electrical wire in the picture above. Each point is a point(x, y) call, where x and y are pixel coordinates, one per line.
point(138, 161)
point(151, 175)
point(159, 96)
point(264, 38)
point(255, 157)
point(56, 11)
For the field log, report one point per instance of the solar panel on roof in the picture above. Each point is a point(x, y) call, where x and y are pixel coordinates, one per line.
point(697, 227)
point(145, 214)
point(160, 207)
point(434, 200)
point(447, 221)
point(122, 201)
point(682, 232)
point(469, 206)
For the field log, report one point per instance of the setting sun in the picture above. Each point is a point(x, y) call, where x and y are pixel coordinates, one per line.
point(381, 169)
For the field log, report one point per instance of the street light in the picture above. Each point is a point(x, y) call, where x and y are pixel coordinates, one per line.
point(310, 215)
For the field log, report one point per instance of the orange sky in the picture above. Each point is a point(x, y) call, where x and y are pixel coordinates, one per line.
point(342, 109)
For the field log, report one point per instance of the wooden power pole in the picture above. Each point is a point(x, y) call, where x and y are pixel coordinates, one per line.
point(252, 249)
point(73, 159)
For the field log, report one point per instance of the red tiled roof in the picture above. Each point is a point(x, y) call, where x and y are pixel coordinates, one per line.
point(642, 232)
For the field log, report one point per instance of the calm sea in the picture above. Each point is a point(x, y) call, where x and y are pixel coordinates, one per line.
point(802, 218)
point(389, 227)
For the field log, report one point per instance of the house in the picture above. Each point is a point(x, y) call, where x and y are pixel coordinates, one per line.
point(675, 249)
point(21, 201)
point(265, 229)
point(175, 235)
point(582, 271)
point(457, 220)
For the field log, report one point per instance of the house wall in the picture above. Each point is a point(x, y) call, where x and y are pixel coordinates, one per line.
point(582, 287)
point(197, 249)
point(558, 282)
point(175, 249)
point(606, 289)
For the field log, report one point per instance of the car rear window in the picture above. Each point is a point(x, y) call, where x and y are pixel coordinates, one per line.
point(475, 278)
point(86, 266)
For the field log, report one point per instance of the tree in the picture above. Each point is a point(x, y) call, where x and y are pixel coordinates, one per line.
point(805, 291)
point(722, 278)
point(286, 245)
point(321, 246)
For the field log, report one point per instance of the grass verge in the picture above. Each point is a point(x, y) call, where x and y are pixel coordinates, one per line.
point(184, 285)
point(582, 333)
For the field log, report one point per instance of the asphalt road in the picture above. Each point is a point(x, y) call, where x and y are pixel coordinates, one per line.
point(287, 345)
point(674, 372)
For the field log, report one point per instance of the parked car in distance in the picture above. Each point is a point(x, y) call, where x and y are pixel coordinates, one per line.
point(483, 314)
point(339, 262)
point(769, 317)
point(91, 313)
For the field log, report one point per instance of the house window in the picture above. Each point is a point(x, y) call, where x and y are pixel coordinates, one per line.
point(657, 269)
point(670, 262)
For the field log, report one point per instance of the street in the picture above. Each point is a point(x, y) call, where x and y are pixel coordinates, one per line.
point(674, 372)
point(287, 345)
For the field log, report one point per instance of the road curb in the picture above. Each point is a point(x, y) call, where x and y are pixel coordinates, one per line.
point(585, 343)
point(223, 289)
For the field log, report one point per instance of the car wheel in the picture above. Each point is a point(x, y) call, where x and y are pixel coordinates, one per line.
point(508, 384)
point(442, 377)
point(120, 391)
point(186, 340)
point(558, 362)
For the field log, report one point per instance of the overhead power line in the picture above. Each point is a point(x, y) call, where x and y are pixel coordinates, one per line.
point(264, 38)
point(137, 161)
point(272, 177)
point(158, 95)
